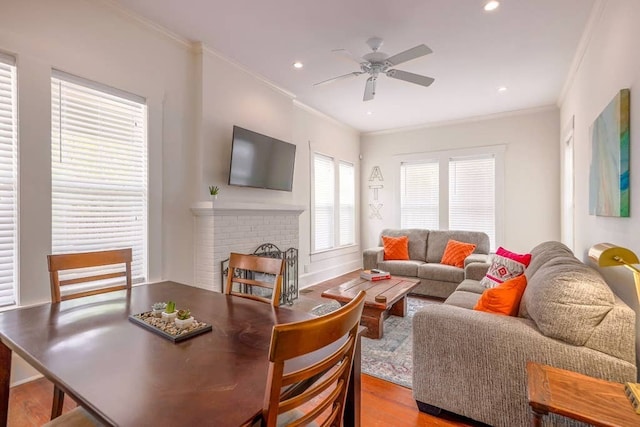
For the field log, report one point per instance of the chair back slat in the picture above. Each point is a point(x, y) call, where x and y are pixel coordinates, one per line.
point(254, 264)
point(326, 380)
point(62, 262)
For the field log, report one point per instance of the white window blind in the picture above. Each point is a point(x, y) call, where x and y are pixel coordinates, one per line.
point(324, 200)
point(8, 180)
point(419, 195)
point(472, 195)
point(99, 170)
point(347, 203)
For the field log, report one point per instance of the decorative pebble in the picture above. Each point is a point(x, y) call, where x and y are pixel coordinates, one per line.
point(168, 327)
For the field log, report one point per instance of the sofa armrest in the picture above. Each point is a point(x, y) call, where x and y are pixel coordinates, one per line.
point(481, 258)
point(473, 363)
point(476, 270)
point(371, 257)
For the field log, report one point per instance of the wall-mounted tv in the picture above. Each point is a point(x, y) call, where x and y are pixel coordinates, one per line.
point(261, 161)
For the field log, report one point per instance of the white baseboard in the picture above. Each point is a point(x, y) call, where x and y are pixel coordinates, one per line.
point(26, 380)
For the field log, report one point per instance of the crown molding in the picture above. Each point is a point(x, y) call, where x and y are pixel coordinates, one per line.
point(146, 23)
point(201, 48)
point(597, 11)
point(471, 119)
point(322, 115)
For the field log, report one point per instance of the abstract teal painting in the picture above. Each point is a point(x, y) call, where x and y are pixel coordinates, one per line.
point(609, 173)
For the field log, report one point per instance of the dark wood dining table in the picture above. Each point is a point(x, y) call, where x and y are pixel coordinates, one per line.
point(127, 375)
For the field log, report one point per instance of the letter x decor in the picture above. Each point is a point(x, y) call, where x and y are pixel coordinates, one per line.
point(375, 183)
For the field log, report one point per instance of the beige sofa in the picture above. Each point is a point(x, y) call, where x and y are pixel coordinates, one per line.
point(425, 252)
point(473, 363)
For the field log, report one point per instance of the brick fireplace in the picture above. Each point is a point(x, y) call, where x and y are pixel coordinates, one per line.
point(238, 227)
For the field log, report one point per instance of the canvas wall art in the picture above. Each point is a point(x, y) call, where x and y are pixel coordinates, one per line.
point(609, 173)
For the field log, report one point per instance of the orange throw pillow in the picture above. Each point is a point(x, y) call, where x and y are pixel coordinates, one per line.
point(455, 253)
point(504, 298)
point(396, 247)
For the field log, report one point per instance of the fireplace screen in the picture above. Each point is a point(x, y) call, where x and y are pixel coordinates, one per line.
point(289, 277)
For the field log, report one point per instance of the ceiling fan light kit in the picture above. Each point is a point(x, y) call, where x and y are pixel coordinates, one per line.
point(376, 63)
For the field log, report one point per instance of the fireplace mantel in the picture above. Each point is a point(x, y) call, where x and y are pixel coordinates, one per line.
point(242, 208)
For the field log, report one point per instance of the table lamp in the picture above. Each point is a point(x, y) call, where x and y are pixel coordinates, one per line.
point(608, 255)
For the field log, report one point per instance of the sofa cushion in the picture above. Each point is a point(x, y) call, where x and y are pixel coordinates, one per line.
point(543, 253)
point(417, 241)
point(438, 239)
point(396, 247)
point(463, 299)
point(455, 253)
point(567, 300)
point(469, 285)
point(504, 298)
point(401, 268)
point(441, 272)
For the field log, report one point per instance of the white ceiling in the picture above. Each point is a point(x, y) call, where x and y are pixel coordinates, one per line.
point(525, 45)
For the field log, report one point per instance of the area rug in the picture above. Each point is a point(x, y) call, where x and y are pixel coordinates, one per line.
point(388, 358)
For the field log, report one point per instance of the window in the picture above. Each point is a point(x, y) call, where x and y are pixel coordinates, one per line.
point(472, 195)
point(324, 200)
point(331, 225)
point(8, 181)
point(99, 169)
point(419, 190)
point(347, 204)
point(468, 199)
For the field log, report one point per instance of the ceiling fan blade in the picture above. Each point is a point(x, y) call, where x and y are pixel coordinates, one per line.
point(344, 53)
point(410, 77)
point(408, 55)
point(369, 89)
point(344, 76)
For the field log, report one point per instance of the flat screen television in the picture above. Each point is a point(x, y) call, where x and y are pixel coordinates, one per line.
point(260, 161)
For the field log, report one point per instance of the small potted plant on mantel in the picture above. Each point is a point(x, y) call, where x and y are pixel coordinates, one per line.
point(184, 318)
point(214, 190)
point(170, 313)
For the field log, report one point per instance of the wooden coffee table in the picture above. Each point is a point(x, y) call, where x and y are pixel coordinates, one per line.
point(384, 297)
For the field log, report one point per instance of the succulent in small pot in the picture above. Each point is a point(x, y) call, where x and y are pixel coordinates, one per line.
point(184, 319)
point(170, 312)
point(157, 308)
point(214, 190)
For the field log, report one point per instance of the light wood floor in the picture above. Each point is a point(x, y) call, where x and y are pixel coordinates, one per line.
point(383, 403)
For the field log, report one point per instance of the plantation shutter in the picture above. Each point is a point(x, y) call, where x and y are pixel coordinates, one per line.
point(419, 195)
point(347, 203)
point(472, 192)
point(323, 194)
point(8, 180)
point(99, 170)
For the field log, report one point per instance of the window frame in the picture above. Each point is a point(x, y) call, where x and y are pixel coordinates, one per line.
point(14, 297)
point(126, 97)
point(336, 204)
point(443, 156)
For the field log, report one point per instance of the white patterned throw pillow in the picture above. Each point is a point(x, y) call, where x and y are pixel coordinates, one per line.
point(505, 265)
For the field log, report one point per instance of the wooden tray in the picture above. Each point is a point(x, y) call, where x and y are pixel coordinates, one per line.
point(205, 327)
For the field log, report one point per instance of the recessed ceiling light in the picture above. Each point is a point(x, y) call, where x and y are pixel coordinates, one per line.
point(502, 89)
point(491, 5)
point(298, 65)
point(369, 113)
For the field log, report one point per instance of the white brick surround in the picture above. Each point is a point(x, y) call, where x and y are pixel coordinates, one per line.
point(238, 227)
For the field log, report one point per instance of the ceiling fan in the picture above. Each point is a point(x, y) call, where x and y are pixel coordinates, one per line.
point(376, 63)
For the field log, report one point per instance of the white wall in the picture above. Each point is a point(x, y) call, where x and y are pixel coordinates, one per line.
point(610, 63)
point(97, 43)
point(531, 211)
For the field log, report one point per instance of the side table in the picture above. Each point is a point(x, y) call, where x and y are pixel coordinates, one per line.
point(576, 396)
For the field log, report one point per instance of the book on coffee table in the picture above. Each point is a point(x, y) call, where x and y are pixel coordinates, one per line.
point(375, 275)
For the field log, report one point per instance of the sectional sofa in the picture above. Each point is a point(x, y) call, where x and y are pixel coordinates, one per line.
point(426, 248)
point(473, 363)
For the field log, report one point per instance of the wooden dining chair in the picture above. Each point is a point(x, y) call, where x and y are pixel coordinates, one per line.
point(75, 261)
point(245, 272)
point(326, 381)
